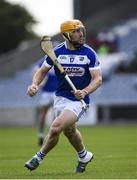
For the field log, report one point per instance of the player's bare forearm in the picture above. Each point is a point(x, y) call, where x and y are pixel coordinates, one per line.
point(93, 85)
point(80, 94)
point(38, 77)
point(95, 82)
point(36, 81)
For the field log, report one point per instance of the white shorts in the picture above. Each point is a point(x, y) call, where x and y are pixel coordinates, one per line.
point(46, 98)
point(61, 103)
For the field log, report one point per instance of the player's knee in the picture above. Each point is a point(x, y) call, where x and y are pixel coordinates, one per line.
point(69, 132)
point(55, 129)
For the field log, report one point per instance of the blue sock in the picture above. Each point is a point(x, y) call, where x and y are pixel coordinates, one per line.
point(82, 153)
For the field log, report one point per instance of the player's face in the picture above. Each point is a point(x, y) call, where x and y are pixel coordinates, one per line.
point(77, 37)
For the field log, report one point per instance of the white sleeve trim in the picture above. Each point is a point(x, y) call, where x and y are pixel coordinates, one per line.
point(94, 68)
point(46, 64)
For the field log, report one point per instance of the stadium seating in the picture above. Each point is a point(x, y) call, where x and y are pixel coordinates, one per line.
point(13, 90)
point(117, 90)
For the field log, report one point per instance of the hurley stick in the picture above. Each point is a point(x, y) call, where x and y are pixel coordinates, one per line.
point(47, 47)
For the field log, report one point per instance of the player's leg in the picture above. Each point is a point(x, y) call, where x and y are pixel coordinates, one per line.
point(65, 119)
point(41, 122)
point(45, 102)
point(75, 138)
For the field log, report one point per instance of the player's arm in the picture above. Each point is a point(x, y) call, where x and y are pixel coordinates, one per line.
point(44, 80)
point(38, 77)
point(96, 81)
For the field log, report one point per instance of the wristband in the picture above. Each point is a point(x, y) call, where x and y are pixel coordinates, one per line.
point(85, 91)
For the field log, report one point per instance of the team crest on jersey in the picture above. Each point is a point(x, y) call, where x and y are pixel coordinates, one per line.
point(81, 58)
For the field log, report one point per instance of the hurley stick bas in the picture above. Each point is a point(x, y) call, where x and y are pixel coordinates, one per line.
point(47, 47)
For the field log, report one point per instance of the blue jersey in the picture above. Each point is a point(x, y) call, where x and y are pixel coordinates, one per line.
point(51, 83)
point(77, 64)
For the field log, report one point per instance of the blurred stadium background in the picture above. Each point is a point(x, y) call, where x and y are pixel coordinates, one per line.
point(110, 128)
point(112, 32)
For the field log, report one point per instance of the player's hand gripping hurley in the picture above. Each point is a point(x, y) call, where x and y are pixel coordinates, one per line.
point(47, 47)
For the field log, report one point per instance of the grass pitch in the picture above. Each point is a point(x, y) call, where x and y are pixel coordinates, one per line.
point(114, 147)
